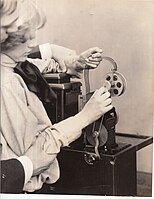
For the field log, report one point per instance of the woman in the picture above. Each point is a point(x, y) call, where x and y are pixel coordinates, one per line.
point(24, 119)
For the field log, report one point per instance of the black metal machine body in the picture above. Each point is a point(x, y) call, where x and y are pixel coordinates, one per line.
point(99, 136)
point(67, 93)
point(101, 161)
point(67, 104)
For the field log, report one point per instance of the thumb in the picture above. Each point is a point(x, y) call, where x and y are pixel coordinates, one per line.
point(90, 51)
point(95, 50)
point(100, 91)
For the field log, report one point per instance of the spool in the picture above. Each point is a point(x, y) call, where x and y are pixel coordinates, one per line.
point(117, 81)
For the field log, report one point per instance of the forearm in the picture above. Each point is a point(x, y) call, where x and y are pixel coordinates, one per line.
point(54, 58)
point(42, 57)
point(68, 130)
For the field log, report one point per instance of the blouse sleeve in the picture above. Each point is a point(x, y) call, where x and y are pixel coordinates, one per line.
point(64, 132)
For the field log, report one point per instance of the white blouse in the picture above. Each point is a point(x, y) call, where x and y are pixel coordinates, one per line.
point(23, 117)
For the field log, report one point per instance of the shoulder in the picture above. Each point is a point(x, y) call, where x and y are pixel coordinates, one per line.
point(9, 77)
point(12, 85)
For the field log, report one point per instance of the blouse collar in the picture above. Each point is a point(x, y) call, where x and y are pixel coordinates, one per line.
point(7, 61)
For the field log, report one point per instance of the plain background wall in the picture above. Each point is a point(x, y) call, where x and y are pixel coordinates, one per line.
point(124, 30)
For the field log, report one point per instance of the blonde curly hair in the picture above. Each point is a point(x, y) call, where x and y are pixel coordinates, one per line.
point(17, 18)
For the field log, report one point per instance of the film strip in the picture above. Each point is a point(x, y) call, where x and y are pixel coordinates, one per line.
point(116, 85)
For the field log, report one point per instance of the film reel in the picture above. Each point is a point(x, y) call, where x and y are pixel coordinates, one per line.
point(117, 81)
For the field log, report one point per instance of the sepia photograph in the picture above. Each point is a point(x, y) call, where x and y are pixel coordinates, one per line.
point(77, 94)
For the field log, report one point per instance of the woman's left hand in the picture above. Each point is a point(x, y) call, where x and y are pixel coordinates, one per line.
point(90, 59)
point(74, 64)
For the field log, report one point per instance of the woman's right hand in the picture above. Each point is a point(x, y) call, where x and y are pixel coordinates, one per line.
point(98, 105)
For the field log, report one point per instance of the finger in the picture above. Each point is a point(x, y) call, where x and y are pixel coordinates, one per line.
point(105, 95)
point(96, 55)
point(107, 102)
point(90, 51)
point(100, 91)
point(90, 66)
point(92, 62)
point(94, 59)
point(107, 108)
point(95, 50)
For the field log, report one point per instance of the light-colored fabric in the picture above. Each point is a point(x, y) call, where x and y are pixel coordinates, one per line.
point(66, 58)
point(23, 117)
point(45, 65)
point(45, 50)
point(28, 167)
